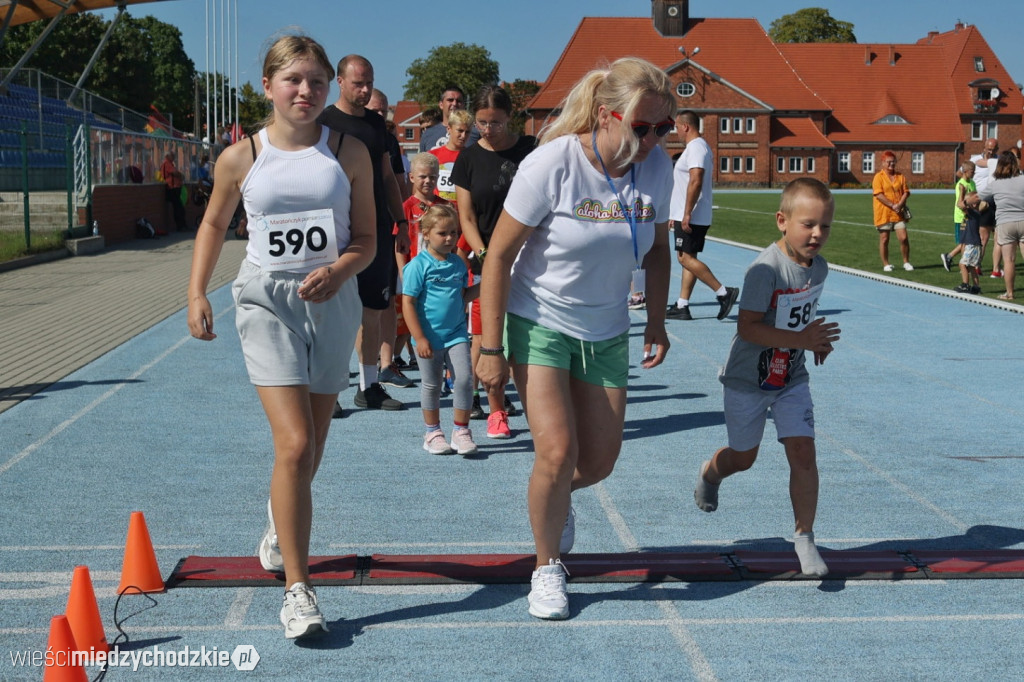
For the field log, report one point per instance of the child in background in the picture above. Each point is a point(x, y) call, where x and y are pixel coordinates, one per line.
point(765, 369)
point(964, 187)
point(434, 296)
point(970, 261)
point(460, 122)
point(423, 174)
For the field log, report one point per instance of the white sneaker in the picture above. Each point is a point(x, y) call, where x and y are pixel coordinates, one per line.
point(300, 614)
point(908, 267)
point(887, 268)
point(568, 533)
point(548, 598)
point(269, 551)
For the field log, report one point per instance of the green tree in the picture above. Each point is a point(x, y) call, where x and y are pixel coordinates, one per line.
point(811, 25)
point(521, 91)
point(173, 72)
point(468, 66)
point(252, 108)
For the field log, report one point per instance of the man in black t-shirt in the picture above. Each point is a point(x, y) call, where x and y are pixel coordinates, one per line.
point(349, 115)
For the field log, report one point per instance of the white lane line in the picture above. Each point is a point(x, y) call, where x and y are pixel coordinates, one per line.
point(578, 623)
point(239, 607)
point(64, 425)
point(699, 663)
point(959, 525)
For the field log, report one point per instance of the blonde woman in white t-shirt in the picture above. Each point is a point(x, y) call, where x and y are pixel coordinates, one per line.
point(578, 251)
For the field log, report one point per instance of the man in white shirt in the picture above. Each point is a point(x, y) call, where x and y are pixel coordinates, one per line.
point(984, 164)
point(690, 219)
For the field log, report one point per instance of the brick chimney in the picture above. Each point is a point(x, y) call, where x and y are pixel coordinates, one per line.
point(671, 17)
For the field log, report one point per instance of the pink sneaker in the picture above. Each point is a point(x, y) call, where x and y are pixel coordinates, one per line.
point(497, 425)
point(435, 444)
point(462, 442)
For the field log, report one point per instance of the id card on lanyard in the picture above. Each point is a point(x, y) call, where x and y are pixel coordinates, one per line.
point(639, 274)
point(295, 241)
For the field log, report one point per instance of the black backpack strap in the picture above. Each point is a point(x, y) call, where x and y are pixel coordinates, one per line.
point(337, 149)
point(252, 143)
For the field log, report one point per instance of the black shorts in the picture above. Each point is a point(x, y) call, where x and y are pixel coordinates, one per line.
point(689, 242)
point(987, 218)
point(377, 281)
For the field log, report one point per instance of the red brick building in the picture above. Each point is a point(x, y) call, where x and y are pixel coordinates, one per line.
point(772, 111)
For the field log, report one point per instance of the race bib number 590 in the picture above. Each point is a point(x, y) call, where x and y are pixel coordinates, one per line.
point(296, 241)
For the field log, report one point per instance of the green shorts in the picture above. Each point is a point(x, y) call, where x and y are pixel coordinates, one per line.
point(603, 363)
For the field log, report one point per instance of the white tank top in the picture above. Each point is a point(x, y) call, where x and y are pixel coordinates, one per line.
point(286, 182)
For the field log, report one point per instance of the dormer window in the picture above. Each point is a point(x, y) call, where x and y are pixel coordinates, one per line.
point(979, 64)
point(893, 119)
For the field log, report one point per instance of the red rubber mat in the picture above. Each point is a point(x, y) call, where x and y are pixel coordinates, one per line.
point(417, 569)
point(412, 569)
point(516, 568)
point(200, 571)
point(885, 565)
point(972, 563)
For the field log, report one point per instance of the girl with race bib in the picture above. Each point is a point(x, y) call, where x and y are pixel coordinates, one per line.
point(308, 195)
point(765, 369)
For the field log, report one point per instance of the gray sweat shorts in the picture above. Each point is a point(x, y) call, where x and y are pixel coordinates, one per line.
point(290, 342)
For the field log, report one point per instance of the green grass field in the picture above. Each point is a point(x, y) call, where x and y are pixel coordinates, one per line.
point(749, 218)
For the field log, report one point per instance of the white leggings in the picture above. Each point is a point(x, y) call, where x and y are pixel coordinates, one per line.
point(459, 363)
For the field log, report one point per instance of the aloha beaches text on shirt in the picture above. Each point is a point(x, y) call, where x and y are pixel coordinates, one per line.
point(794, 310)
point(593, 210)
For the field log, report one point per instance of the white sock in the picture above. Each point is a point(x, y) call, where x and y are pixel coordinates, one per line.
point(682, 302)
point(721, 291)
point(367, 376)
point(811, 562)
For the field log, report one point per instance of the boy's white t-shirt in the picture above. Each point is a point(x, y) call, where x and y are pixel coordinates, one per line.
point(573, 273)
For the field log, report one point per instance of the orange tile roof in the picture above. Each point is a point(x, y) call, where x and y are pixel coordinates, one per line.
point(797, 132)
point(926, 85)
point(864, 83)
point(962, 45)
point(737, 50)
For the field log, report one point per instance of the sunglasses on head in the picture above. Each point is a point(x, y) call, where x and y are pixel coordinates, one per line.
point(641, 128)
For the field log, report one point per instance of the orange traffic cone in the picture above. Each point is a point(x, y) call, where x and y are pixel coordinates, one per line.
point(84, 614)
point(140, 570)
point(59, 647)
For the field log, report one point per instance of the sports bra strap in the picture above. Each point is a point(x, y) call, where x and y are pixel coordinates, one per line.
point(252, 143)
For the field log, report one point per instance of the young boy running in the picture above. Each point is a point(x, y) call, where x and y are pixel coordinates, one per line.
point(765, 369)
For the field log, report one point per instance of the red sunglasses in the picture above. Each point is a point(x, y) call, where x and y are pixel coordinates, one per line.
point(641, 128)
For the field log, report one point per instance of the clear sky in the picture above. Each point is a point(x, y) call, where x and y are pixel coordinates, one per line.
point(526, 37)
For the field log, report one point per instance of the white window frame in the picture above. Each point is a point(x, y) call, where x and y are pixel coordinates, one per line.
point(751, 126)
point(917, 162)
point(977, 130)
point(991, 129)
point(751, 164)
point(796, 164)
point(723, 164)
point(810, 165)
point(780, 164)
point(737, 164)
point(723, 126)
point(686, 89)
point(867, 163)
point(737, 125)
point(843, 162)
